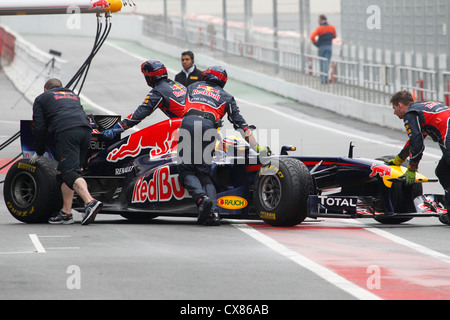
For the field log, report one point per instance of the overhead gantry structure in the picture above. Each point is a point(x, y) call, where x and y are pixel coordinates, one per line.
point(26, 7)
point(47, 7)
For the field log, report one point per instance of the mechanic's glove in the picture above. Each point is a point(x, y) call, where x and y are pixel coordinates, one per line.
point(410, 176)
point(114, 131)
point(34, 158)
point(264, 150)
point(397, 161)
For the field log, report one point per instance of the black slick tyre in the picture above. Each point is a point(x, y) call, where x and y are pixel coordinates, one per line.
point(281, 192)
point(31, 192)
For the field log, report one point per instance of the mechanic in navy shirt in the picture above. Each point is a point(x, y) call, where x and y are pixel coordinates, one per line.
point(167, 95)
point(422, 119)
point(207, 103)
point(322, 38)
point(190, 73)
point(58, 112)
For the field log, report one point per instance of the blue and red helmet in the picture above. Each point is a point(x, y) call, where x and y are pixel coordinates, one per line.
point(216, 74)
point(154, 71)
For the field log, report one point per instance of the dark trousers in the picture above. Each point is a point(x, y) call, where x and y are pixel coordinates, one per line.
point(325, 51)
point(443, 174)
point(71, 150)
point(196, 142)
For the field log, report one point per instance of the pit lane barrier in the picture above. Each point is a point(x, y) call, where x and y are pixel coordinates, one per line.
point(22, 61)
point(359, 90)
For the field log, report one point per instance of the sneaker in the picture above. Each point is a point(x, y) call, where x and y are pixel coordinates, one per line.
point(90, 211)
point(204, 207)
point(212, 219)
point(61, 218)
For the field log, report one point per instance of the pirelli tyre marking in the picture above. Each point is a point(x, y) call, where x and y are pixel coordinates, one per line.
point(31, 192)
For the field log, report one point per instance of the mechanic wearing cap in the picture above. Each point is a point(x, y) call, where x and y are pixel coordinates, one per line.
point(206, 104)
point(422, 119)
point(190, 73)
point(167, 95)
point(58, 112)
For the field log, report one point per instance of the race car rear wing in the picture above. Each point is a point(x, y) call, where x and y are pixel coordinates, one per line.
point(98, 123)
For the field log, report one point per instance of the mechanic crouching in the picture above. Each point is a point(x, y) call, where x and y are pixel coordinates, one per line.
point(206, 104)
point(58, 112)
point(422, 119)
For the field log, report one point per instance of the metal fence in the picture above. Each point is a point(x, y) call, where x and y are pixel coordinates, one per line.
point(292, 58)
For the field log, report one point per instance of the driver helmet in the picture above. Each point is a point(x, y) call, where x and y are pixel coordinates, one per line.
point(228, 144)
point(216, 74)
point(154, 71)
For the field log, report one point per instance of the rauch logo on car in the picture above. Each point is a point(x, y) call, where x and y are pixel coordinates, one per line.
point(232, 202)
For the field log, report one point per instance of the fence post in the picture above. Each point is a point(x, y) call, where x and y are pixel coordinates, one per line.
point(302, 35)
point(225, 25)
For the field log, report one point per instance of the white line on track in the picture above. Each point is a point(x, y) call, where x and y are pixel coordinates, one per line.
point(18, 252)
point(37, 244)
point(310, 265)
point(414, 246)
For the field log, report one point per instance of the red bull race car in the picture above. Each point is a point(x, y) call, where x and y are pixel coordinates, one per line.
point(136, 177)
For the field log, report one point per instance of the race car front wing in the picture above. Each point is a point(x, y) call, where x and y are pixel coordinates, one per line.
point(429, 205)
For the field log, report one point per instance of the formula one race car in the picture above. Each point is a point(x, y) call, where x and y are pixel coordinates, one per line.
point(137, 178)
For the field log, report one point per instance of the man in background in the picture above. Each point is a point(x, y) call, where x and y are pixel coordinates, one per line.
point(322, 38)
point(190, 73)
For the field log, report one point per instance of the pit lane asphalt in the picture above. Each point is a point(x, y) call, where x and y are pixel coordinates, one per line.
point(173, 258)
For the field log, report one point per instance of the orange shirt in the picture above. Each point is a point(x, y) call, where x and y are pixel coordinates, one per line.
point(326, 33)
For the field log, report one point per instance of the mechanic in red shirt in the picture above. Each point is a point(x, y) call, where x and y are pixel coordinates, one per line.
point(167, 95)
point(322, 38)
point(422, 119)
point(207, 103)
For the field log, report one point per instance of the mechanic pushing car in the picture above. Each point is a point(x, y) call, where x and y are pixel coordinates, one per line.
point(168, 95)
point(422, 119)
point(206, 104)
point(58, 111)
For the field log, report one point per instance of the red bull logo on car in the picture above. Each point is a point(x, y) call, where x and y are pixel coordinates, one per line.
point(160, 186)
point(161, 139)
point(380, 170)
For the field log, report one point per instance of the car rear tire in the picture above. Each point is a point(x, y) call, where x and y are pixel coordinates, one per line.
point(281, 192)
point(31, 192)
